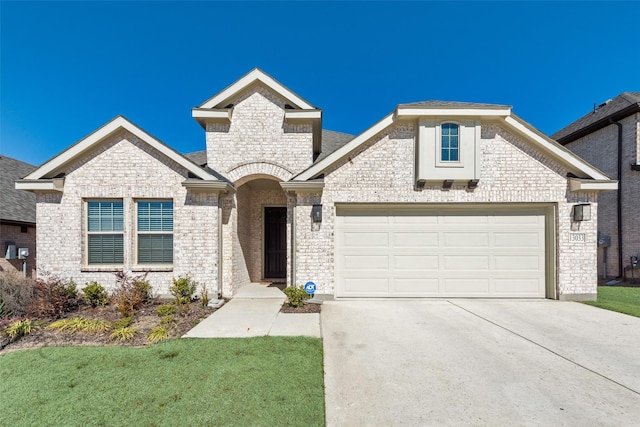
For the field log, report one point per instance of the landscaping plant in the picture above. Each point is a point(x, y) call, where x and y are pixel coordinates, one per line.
point(204, 294)
point(183, 289)
point(19, 328)
point(296, 295)
point(159, 333)
point(52, 297)
point(131, 291)
point(166, 310)
point(95, 294)
point(123, 334)
point(15, 294)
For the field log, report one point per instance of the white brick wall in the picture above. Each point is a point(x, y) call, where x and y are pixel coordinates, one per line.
point(128, 169)
point(382, 172)
point(600, 148)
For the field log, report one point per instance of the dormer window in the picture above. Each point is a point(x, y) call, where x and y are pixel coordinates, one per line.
point(450, 142)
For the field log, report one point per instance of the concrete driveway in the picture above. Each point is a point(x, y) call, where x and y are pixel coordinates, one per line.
point(480, 362)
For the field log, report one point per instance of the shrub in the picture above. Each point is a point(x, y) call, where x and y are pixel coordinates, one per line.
point(131, 291)
point(204, 294)
point(183, 289)
point(167, 320)
point(123, 334)
point(296, 295)
point(19, 328)
point(122, 323)
point(52, 297)
point(157, 334)
point(15, 294)
point(165, 310)
point(95, 294)
point(80, 324)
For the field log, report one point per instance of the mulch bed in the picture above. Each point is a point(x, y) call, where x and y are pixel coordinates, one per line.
point(145, 319)
point(306, 308)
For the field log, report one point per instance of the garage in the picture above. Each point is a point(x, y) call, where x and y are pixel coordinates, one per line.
point(396, 251)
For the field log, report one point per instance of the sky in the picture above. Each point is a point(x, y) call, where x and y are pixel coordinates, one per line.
point(67, 68)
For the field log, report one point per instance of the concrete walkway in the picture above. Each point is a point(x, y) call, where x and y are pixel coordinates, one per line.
point(253, 312)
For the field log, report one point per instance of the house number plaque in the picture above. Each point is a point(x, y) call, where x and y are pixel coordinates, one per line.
point(576, 237)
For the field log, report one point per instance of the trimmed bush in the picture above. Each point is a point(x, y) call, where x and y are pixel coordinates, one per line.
point(95, 294)
point(16, 293)
point(183, 289)
point(296, 296)
point(52, 297)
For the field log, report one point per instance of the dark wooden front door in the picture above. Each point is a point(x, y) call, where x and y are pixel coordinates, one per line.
point(275, 243)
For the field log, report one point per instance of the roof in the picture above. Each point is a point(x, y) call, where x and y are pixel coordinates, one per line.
point(450, 104)
point(17, 205)
point(331, 141)
point(615, 109)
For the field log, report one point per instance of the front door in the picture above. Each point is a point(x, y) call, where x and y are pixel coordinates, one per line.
point(275, 242)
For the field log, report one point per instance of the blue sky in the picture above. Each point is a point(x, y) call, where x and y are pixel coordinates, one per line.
point(69, 67)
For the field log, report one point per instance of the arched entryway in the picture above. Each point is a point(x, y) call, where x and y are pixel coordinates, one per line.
point(262, 228)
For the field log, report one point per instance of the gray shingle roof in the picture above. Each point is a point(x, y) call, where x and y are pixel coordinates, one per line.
point(610, 108)
point(331, 141)
point(15, 205)
point(451, 104)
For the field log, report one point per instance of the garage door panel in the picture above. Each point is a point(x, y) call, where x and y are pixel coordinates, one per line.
point(466, 286)
point(355, 239)
point(465, 263)
point(412, 253)
point(416, 262)
point(366, 262)
point(416, 240)
point(465, 240)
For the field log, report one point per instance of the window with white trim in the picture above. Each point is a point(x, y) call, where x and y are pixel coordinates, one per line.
point(449, 142)
point(105, 238)
point(155, 232)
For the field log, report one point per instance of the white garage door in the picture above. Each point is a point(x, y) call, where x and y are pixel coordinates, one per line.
point(429, 253)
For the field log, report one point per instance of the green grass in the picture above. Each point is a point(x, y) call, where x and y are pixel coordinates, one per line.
point(266, 381)
point(622, 300)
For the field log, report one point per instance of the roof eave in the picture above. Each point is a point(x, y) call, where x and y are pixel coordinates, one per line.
point(592, 185)
point(599, 124)
point(415, 112)
point(40, 185)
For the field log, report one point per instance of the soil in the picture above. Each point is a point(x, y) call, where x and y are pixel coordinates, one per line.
point(145, 319)
point(306, 308)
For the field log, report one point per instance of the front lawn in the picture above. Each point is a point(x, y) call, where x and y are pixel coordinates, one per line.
point(622, 300)
point(192, 382)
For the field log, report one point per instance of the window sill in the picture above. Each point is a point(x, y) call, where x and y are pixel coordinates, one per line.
point(102, 268)
point(151, 268)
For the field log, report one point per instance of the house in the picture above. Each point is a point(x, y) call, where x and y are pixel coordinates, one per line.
point(609, 137)
point(17, 217)
point(436, 199)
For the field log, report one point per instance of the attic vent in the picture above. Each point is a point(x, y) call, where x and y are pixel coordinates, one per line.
point(605, 103)
point(229, 106)
point(288, 107)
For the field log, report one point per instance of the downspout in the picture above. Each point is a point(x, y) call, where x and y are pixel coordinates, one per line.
point(220, 257)
point(619, 204)
point(293, 239)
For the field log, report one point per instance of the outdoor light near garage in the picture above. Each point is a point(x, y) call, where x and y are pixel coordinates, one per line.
point(582, 212)
point(316, 213)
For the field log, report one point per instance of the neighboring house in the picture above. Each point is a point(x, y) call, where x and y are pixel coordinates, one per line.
point(609, 137)
point(437, 199)
point(17, 216)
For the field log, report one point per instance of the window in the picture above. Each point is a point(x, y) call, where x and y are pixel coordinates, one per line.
point(449, 143)
point(155, 232)
point(105, 232)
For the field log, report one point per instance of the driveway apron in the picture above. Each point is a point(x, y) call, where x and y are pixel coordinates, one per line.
point(479, 362)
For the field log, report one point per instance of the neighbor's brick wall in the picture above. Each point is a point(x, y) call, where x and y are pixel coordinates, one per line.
point(258, 133)
point(126, 168)
point(13, 233)
point(600, 148)
point(382, 172)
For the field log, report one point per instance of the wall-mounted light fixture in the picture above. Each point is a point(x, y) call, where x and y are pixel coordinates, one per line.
point(447, 184)
point(582, 212)
point(316, 213)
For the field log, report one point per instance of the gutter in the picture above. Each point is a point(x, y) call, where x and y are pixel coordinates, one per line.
point(619, 198)
point(599, 124)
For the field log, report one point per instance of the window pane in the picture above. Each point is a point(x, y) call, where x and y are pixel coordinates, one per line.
point(445, 129)
point(106, 249)
point(155, 216)
point(453, 155)
point(445, 154)
point(453, 130)
point(453, 141)
point(105, 216)
point(155, 249)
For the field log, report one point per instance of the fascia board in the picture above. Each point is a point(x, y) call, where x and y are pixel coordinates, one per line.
point(104, 132)
point(450, 112)
point(577, 184)
point(302, 186)
point(556, 150)
point(56, 184)
point(219, 114)
point(302, 114)
point(249, 79)
point(214, 186)
point(346, 149)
